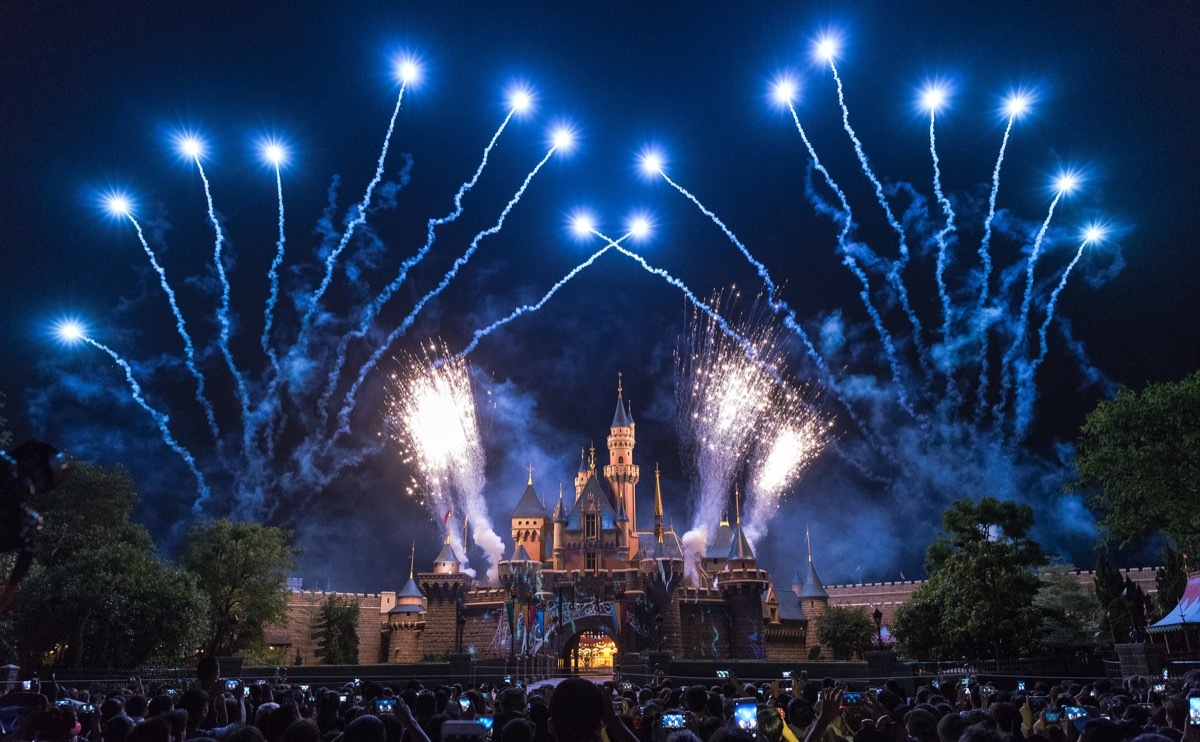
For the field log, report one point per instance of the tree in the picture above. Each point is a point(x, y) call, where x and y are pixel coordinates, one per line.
point(1070, 620)
point(115, 606)
point(98, 594)
point(846, 631)
point(337, 633)
point(978, 600)
point(1171, 582)
point(1125, 607)
point(242, 567)
point(5, 433)
point(1143, 451)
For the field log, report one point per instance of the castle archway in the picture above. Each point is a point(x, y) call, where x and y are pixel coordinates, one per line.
point(586, 644)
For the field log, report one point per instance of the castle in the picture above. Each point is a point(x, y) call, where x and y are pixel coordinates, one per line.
point(584, 577)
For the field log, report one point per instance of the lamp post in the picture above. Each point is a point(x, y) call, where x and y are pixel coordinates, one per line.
point(878, 616)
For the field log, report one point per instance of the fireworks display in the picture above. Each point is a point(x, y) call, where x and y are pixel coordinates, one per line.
point(933, 389)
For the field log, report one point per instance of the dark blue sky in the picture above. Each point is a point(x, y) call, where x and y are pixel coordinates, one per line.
point(93, 93)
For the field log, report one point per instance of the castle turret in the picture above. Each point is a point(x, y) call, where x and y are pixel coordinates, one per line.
point(743, 584)
point(813, 598)
point(560, 522)
point(621, 473)
point(405, 620)
point(581, 476)
point(661, 565)
point(446, 562)
point(530, 524)
point(718, 547)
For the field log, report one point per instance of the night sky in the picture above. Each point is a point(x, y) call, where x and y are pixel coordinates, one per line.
point(93, 95)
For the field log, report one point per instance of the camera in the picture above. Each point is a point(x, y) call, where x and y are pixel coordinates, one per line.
point(463, 702)
point(385, 705)
point(1020, 685)
point(787, 674)
point(673, 720)
point(1074, 712)
point(852, 699)
point(722, 673)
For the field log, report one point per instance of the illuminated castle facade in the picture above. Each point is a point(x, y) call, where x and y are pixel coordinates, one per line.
point(583, 572)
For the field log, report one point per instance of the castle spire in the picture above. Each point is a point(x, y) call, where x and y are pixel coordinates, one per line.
point(530, 482)
point(808, 543)
point(592, 457)
point(737, 503)
point(412, 560)
point(658, 508)
point(620, 417)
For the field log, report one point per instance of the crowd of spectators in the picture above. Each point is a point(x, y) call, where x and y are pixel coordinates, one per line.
point(217, 709)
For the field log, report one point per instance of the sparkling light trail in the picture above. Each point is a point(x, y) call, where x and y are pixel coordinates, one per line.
point(561, 139)
point(189, 350)
point(520, 101)
point(74, 332)
point(894, 277)
point(274, 154)
point(1017, 104)
point(408, 72)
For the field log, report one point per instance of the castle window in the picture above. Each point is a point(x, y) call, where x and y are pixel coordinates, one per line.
point(620, 459)
point(590, 562)
point(589, 525)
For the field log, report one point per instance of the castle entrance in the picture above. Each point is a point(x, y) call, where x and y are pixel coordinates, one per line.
point(589, 652)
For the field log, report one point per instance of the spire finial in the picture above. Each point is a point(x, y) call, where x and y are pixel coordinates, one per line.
point(592, 456)
point(737, 503)
point(560, 491)
point(531, 475)
point(658, 508)
point(808, 543)
point(412, 560)
point(619, 390)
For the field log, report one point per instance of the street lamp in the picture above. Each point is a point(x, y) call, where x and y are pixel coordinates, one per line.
point(878, 616)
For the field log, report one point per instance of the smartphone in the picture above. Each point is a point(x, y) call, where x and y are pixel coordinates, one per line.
point(304, 688)
point(675, 721)
point(1037, 703)
point(852, 699)
point(232, 685)
point(1053, 717)
point(988, 690)
point(88, 708)
point(460, 730)
point(385, 705)
point(722, 673)
point(1194, 712)
point(464, 703)
point(1165, 673)
point(170, 691)
point(1020, 685)
point(344, 697)
point(619, 708)
point(1074, 712)
point(486, 720)
point(787, 674)
point(1159, 687)
point(966, 683)
point(27, 685)
point(745, 714)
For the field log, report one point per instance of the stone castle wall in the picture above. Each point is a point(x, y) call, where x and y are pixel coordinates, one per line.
point(304, 616)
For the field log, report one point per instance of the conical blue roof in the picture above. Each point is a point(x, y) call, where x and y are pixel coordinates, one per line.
point(410, 590)
point(621, 416)
point(529, 506)
point(812, 584)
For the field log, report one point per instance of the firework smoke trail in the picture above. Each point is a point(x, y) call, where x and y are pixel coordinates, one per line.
point(1022, 327)
point(435, 412)
point(189, 349)
point(894, 274)
point(223, 313)
point(331, 260)
point(348, 404)
point(986, 256)
point(1027, 389)
point(160, 419)
point(940, 237)
point(273, 275)
point(529, 308)
point(778, 306)
point(372, 310)
point(848, 260)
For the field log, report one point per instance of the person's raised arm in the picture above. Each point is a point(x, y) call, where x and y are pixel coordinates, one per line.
point(831, 708)
point(404, 715)
point(614, 725)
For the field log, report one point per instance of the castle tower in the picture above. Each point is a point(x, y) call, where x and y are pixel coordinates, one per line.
point(560, 524)
point(661, 569)
point(813, 598)
point(581, 476)
point(621, 473)
point(743, 583)
point(405, 620)
point(530, 524)
point(446, 562)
